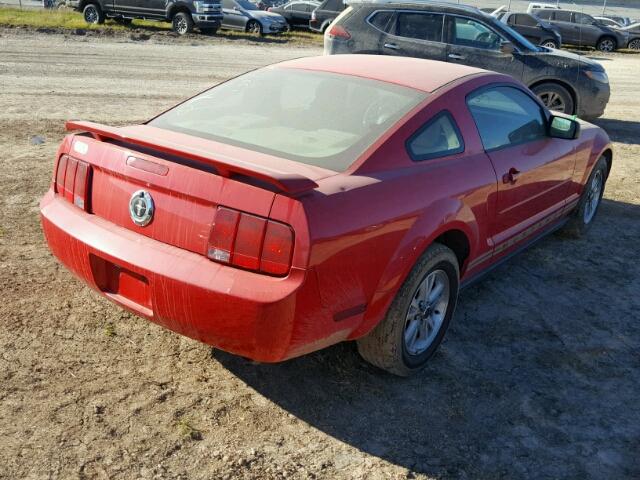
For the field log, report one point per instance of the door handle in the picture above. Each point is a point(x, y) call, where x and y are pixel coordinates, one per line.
point(392, 46)
point(511, 176)
point(455, 56)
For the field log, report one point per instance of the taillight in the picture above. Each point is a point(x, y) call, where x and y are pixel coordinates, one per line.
point(269, 9)
point(250, 242)
point(73, 181)
point(338, 31)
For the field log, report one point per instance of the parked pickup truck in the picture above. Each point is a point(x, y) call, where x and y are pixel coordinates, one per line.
point(206, 15)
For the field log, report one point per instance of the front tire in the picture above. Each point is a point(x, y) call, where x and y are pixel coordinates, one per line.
point(555, 97)
point(93, 14)
point(254, 27)
point(182, 23)
point(585, 213)
point(634, 44)
point(419, 315)
point(607, 44)
point(550, 44)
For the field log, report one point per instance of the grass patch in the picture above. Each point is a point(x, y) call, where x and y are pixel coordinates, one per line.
point(110, 330)
point(71, 20)
point(187, 430)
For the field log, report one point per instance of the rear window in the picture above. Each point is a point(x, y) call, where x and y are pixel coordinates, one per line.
point(316, 118)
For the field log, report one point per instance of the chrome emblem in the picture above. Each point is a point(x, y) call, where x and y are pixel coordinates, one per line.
point(141, 208)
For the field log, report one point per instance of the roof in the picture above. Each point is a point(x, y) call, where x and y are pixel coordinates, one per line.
point(421, 3)
point(416, 73)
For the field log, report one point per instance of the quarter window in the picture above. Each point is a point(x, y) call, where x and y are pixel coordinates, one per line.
point(439, 137)
point(506, 116)
point(561, 16)
point(421, 26)
point(469, 33)
point(382, 20)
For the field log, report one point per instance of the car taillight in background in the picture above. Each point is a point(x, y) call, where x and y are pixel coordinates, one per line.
point(72, 181)
point(250, 242)
point(338, 31)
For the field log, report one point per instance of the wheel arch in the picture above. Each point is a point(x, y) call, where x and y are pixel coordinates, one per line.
point(563, 84)
point(84, 3)
point(173, 9)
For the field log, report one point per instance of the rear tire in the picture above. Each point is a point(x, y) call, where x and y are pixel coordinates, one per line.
point(555, 97)
point(607, 44)
point(390, 345)
point(182, 23)
point(93, 14)
point(585, 213)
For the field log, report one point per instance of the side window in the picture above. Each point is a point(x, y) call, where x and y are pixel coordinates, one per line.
point(582, 18)
point(439, 137)
point(506, 116)
point(562, 16)
point(296, 7)
point(421, 26)
point(228, 4)
point(544, 14)
point(526, 20)
point(381, 20)
point(469, 33)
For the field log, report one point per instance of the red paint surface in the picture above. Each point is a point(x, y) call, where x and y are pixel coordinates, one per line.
point(357, 234)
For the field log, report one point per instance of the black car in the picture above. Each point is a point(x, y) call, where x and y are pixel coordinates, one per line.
point(564, 81)
point(580, 29)
point(183, 14)
point(326, 13)
point(297, 13)
point(535, 30)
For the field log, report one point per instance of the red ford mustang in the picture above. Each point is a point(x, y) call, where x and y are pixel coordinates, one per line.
point(321, 200)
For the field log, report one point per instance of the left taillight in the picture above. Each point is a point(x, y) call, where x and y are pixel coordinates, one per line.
point(73, 181)
point(250, 242)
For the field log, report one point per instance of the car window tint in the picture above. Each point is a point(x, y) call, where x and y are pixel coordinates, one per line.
point(382, 20)
point(297, 7)
point(316, 118)
point(506, 116)
point(583, 18)
point(562, 16)
point(469, 33)
point(437, 138)
point(544, 14)
point(526, 20)
point(422, 26)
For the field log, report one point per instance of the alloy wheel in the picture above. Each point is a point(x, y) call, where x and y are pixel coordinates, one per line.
point(426, 312)
point(553, 101)
point(607, 45)
point(635, 44)
point(593, 197)
point(550, 44)
point(254, 27)
point(91, 14)
point(181, 26)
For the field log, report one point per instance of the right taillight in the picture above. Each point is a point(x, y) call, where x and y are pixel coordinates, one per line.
point(338, 31)
point(73, 181)
point(250, 242)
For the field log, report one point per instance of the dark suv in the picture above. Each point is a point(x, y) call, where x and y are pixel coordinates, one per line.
point(564, 81)
point(580, 29)
point(326, 13)
point(183, 14)
point(532, 28)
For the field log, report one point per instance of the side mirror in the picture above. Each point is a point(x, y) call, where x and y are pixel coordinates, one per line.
point(562, 127)
point(507, 48)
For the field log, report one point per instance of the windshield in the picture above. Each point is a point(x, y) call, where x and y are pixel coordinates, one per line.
point(316, 118)
point(246, 4)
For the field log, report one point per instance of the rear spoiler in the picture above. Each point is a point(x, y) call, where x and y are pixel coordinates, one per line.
point(289, 183)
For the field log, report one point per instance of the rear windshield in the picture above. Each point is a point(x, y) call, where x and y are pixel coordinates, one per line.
point(316, 118)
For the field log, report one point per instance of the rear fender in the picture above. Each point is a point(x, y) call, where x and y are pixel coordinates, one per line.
point(452, 215)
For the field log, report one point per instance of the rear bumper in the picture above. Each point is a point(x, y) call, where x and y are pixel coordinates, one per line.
point(264, 318)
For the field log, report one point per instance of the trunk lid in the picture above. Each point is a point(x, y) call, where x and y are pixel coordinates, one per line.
point(186, 177)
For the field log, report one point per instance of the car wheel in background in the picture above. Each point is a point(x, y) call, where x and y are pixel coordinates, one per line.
point(182, 23)
point(92, 13)
point(254, 27)
point(582, 218)
point(606, 44)
point(555, 97)
point(208, 31)
point(634, 44)
point(419, 315)
point(550, 44)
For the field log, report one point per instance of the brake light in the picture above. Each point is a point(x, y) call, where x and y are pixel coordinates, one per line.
point(250, 242)
point(338, 31)
point(73, 181)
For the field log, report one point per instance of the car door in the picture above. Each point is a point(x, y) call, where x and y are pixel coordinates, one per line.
point(414, 34)
point(471, 42)
point(569, 30)
point(534, 170)
point(588, 31)
point(234, 17)
point(299, 13)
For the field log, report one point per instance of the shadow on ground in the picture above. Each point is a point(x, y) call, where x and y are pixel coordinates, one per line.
point(538, 376)
point(623, 131)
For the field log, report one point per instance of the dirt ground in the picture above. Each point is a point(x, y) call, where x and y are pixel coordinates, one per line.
point(539, 376)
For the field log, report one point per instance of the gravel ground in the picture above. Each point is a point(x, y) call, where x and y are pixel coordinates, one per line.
point(539, 376)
